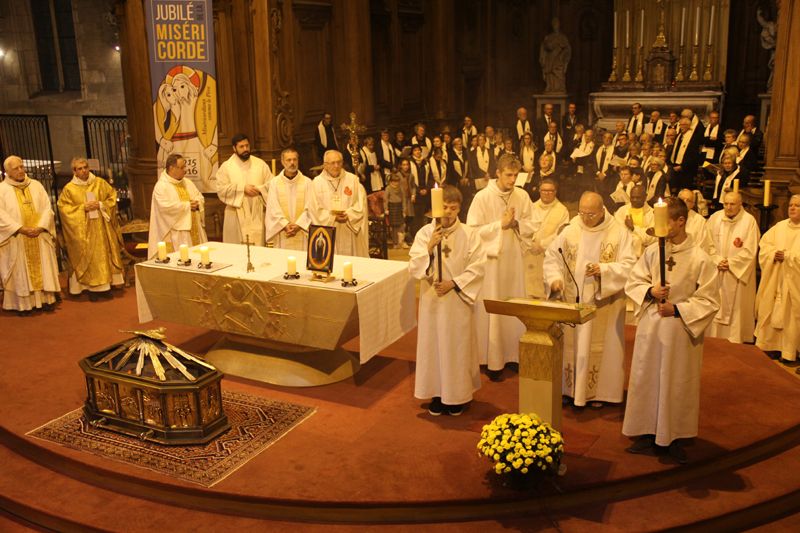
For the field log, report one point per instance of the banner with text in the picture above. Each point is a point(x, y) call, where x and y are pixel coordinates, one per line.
point(184, 87)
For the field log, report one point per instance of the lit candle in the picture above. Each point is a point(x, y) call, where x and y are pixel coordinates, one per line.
point(627, 28)
point(347, 274)
point(615, 29)
point(437, 202)
point(273, 166)
point(162, 251)
point(683, 22)
point(735, 185)
point(641, 29)
point(697, 26)
point(204, 255)
point(291, 265)
point(184, 249)
point(711, 26)
point(767, 195)
point(661, 214)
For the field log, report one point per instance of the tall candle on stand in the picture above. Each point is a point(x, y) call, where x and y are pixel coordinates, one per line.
point(437, 202)
point(205, 257)
point(184, 253)
point(641, 28)
point(661, 214)
point(683, 22)
point(615, 29)
point(697, 26)
point(627, 28)
point(291, 265)
point(711, 26)
point(274, 168)
point(347, 272)
point(767, 195)
point(162, 251)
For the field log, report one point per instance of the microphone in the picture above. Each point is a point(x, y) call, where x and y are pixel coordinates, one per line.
point(578, 290)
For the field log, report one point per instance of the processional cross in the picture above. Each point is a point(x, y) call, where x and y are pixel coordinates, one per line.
point(352, 130)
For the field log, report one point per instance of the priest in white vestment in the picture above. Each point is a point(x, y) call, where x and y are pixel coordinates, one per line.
point(242, 184)
point(599, 252)
point(337, 199)
point(501, 213)
point(550, 215)
point(778, 298)
point(664, 389)
point(176, 210)
point(732, 241)
point(286, 220)
point(447, 370)
point(637, 217)
point(696, 224)
point(28, 266)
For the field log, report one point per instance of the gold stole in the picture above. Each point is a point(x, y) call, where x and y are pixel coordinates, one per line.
point(183, 194)
point(299, 201)
point(33, 254)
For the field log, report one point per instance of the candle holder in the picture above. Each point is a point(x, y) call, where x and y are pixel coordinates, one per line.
point(613, 76)
point(766, 216)
point(352, 283)
point(707, 71)
point(186, 263)
point(162, 261)
point(695, 57)
point(206, 266)
point(640, 67)
point(626, 76)
point(679, 76)
point(296, 275)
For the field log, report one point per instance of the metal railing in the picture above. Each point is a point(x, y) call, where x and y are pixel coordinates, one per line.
point(106, 140)
point(28, 136)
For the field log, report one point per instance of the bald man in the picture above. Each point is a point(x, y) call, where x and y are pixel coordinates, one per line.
point(598, 250)
point(695, 224)
point(28, 266)
point(732, 238)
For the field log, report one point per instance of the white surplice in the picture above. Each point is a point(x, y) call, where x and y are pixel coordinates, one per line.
point(447, 351)
point(345, 194)
point(594, 352)
point(172, 218)
point(736, 240)
point(286, 202)
point(28, 266)
point(244, 215)
point(664, 388)
point(696, 226)
point(778, 298)
point(549, 218)
point(498, 336)
point(641, 239)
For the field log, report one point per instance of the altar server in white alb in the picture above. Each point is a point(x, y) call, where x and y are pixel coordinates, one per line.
point(286, 220)
point(778, 326)
point(695, 224)
point(664, 390)
point(599, 252)
point(447, 370)
point(550, 215)
point(501, 213)
point(28, 266)
point(732, 241)
point(176, 211)
point(242, 184)
point(337, 199)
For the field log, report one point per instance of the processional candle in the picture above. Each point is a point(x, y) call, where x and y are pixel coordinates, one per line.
point(661, 213)
point(437, 202)
point(735, 185)
point(767, 193)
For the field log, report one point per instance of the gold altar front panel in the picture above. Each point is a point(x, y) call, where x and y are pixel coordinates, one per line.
point(282, 312)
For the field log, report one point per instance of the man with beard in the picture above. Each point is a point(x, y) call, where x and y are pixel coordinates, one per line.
point(286, 221)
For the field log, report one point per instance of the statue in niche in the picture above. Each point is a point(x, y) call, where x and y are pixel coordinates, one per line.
point(769, 36)
point(554, 56)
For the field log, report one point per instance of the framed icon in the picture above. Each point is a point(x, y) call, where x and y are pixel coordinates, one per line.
point(321, 242)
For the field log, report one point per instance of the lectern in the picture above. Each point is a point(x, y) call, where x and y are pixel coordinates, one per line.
point(540, 350)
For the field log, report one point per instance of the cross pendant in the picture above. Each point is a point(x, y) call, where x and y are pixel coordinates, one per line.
point(670, 263)
point(446, 250)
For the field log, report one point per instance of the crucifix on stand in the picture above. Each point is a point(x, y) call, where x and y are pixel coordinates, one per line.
point(250, 267)
point(353, 129)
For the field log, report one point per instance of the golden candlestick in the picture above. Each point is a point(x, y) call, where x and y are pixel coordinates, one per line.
point(640, 66)
point(626, 76)
point(613, 75)
point(707, 71)
point(695, 56)
point(661, 38)
point(679, 76)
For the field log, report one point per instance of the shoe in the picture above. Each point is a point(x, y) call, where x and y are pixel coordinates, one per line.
point(566, 401)
point(495, 375)
point(436, 407)
point(456, 410)
point(774, 355)
point(49, 308)
point(797, 371)
point(643, 444)
point(596, 405)
point(514, 367)
point(790, 364)
point(676, 451)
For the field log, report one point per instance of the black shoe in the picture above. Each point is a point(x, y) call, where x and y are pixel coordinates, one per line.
point(436, 407)
point(676, 451)
point(643, 444)
point(93, 297)
point(495, 375)
point(774, 355)
point(49, 308)
point(456, 410)
point(566, 401)
point(790, 364)
point(514, 367)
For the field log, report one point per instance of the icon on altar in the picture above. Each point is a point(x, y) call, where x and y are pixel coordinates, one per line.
point(320, 248)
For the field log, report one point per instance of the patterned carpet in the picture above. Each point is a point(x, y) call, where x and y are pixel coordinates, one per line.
point(256, 423)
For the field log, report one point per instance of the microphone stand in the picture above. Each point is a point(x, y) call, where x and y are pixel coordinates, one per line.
point(577, 289)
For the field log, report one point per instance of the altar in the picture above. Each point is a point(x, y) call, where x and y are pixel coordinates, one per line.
point(277, 330)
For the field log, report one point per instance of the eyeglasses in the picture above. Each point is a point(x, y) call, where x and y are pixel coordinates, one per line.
point(589, 215)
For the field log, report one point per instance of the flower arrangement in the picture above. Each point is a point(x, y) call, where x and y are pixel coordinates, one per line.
point(521, 444)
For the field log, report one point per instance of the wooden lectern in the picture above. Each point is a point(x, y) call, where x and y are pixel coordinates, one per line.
point(540, 350)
